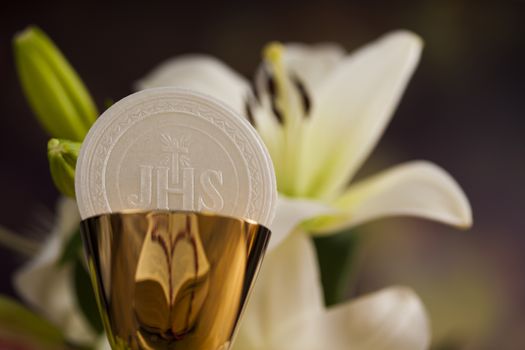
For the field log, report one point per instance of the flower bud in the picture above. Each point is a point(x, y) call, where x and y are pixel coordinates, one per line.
point(56, 94)
point(62, 155)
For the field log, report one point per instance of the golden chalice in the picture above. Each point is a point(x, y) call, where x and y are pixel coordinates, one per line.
point(172, 279)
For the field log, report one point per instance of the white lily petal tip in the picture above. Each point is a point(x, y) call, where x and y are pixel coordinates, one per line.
point(407, 36)
point(391, 318)
point(464, 210)
point(416, 189)
point(414, 312)
point(411, 303)
point(467, 222)
point(404, 295)
point(408, 40)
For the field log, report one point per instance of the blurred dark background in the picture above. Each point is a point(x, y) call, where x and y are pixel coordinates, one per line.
point(463, 110)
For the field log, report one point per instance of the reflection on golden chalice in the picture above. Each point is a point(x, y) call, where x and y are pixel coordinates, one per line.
point(172, 280)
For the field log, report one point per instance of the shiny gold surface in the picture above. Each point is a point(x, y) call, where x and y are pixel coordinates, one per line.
point(172, 280)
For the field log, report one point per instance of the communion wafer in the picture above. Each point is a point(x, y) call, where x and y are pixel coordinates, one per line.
point(174, 149)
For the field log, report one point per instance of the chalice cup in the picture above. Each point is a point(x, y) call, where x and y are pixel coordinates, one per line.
point(172, 279)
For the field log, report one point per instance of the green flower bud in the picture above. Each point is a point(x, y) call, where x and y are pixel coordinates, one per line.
point(56, 94)
point(62, 155)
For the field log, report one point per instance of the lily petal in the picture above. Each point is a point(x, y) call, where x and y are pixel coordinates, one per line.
point(353, 107)
point(283, 87)
point(290, 213)
point(286, 310)
point(48, 288)
point(391, 319)
point(203, 74)
point(312, 63)
point(418, 188)
point(287, 291)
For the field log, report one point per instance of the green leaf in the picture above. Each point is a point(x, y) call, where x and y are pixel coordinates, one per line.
point(16, 319)
point(86, 297)
point(72, 249)
point(336, 255)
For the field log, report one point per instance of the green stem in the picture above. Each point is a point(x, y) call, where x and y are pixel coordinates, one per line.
point(17, 243)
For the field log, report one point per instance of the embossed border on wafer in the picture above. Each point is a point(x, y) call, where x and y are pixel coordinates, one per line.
point(94, 154)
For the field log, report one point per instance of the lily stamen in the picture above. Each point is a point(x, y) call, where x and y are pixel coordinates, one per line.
point(303, 93)
point(248, 111)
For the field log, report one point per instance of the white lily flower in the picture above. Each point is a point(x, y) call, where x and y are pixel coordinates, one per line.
point(286, 310)
point(320, 114)
point(48, 287)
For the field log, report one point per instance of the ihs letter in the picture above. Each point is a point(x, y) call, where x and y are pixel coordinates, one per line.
point(209, 179)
